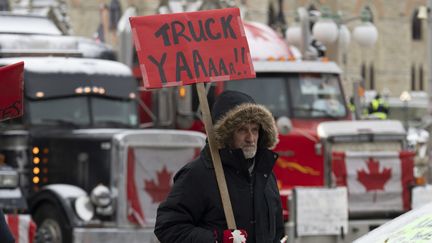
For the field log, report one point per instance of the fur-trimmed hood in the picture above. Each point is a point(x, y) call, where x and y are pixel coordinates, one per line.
point(233, 109)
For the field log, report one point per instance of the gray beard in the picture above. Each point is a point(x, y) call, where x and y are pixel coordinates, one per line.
point(249, 153)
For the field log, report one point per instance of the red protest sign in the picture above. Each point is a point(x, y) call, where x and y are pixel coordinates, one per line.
point(11, 91)
point(194, 47)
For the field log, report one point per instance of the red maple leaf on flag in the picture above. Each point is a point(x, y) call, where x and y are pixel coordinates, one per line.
point(159, 189)
point(374, 180)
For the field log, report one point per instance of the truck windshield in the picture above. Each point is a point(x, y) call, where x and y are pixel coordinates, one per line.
point(85, 111)
point(296, 95)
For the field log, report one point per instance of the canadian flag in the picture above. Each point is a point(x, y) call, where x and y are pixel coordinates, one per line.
point(376, 181)
point(11, 91)
point(22, 227)
point(149, 179)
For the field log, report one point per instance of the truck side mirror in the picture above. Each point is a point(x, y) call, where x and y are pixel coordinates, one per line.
point(284, 125)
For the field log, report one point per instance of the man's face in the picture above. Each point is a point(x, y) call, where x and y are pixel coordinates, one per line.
point(246, 138)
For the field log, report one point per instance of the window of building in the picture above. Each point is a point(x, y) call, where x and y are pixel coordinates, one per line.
point(271, 15)
point(367, 73)
point(413, 80)
point(416, 26)
point(276, 17)
point(363, 75)
point(372, 76)
point(421, 77)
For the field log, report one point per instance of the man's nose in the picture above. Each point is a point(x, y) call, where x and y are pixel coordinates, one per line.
point(250, 136)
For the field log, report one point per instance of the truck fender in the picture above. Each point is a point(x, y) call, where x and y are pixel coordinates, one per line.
point(62, 195)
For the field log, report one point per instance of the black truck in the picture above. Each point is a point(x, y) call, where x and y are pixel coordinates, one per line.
point(86, 170)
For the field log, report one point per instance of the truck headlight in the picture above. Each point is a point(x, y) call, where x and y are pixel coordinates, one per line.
point(101, 196)
point(8, 179)
point(84, 208)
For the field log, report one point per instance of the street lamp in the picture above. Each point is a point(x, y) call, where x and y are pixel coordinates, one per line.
point(325, 31)
point(329, 29)
point(366, 34)
point(344, 37)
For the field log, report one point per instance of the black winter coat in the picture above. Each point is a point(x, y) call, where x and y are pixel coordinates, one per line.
point(193, 209)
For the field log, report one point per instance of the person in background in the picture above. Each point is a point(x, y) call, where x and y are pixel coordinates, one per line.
point(245, 132)
point(351, 104)
point(378, 108)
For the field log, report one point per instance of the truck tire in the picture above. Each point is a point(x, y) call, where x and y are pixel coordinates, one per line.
point(52, 225)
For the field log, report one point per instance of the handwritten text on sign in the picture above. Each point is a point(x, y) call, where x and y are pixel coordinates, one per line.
point(321, 211)
point(194, 47)
point(418, 231)
point(11, 91)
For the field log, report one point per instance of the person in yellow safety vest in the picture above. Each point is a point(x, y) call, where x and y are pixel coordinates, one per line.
point(351, 104)
point(378, 107)
point(352, 107)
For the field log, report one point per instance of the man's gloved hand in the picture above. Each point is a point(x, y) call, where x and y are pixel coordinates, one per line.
point(234, 236)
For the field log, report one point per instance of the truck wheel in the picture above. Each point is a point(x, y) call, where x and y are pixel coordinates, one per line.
point(51, 225)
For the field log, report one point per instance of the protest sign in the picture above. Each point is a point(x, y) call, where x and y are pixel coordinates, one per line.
point(195, 47)
point(11, 91)
point(321, 211)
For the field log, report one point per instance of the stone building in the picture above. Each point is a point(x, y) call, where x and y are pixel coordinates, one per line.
point(396, 63)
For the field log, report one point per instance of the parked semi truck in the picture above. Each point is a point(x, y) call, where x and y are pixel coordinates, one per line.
point(76, 160)
point(86, 171)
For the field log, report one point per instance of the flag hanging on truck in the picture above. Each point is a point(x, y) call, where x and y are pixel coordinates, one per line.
point(376, 181)
point(11, 91)
point(22, 227)
point(194, 47)
point(150, 173)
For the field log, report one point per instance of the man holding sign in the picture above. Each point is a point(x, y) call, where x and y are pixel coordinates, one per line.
point(245, 132)
point(206, 204)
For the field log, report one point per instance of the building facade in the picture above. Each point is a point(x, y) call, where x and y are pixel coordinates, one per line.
point(398, 62)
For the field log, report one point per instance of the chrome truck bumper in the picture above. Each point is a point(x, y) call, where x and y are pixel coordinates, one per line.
point(113, 235)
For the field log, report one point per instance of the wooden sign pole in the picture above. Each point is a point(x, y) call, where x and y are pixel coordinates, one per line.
point(220, 176)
